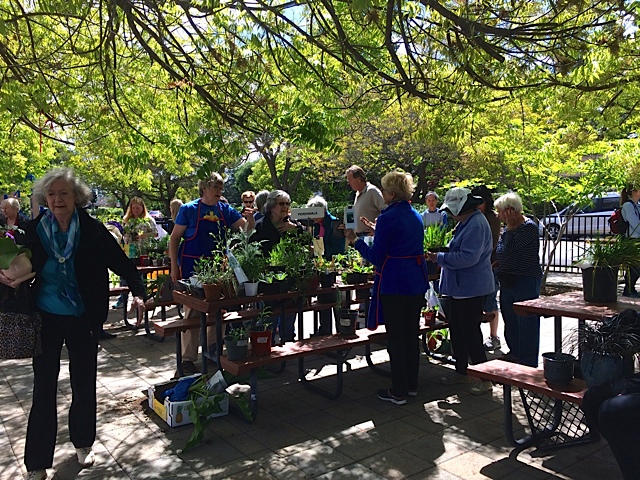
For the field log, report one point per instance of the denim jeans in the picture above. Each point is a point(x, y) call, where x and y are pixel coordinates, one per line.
point(521, 333)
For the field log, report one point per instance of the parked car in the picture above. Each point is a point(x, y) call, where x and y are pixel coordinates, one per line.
point(155, 214)
point(590, 220)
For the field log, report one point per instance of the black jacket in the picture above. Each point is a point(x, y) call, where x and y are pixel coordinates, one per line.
point(97, 252)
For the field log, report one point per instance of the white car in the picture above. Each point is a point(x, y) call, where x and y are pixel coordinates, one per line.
point(591, 220)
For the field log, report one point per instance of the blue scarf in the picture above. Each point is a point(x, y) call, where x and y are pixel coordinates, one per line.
point(52, 239)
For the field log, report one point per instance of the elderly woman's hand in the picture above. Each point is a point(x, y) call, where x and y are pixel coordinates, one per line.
point(432, 256)
point(286, 225)
point(351, 235)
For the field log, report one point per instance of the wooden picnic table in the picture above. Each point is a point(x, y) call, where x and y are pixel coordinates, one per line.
point(572, 305)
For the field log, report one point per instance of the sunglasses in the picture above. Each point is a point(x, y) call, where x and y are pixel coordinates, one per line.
point(248, 202)
point(283, 204)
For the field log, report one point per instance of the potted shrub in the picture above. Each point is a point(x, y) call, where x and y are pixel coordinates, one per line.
point(436, 239)
point(15, 260)
point(211, 273)
point(237, 343)
point(442, 341)
point(607, 348)
point(260, 333)
point(603, 258)
point(250, 259)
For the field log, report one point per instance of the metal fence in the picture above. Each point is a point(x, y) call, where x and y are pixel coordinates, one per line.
point(579, 230)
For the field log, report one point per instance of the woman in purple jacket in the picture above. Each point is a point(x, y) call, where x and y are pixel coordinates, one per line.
point(400, 282)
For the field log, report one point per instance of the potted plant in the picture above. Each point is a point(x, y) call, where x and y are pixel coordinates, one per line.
point(603, 258)
point(436, 239)
point(211, 273)
point(442, 341)
point(347, 322)
point(237, 343)
point(607, 348)
point(250, 259)
point(260, 332)
point(429, 315)
point(15, 260)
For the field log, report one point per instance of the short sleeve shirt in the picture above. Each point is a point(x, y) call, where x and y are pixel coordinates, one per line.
point(222, 212)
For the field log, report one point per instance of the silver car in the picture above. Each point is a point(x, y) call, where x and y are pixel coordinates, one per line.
point(588, 221)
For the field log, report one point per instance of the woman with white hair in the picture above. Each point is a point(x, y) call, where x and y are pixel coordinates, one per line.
point(520, 276)
point(323, 228)
point(466, 278)
point(275, 223)
point(332, 243)
point(13, 217)
point(72, 254)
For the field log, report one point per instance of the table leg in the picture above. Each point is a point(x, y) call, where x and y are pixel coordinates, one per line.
point(203, 341)
point(557, 333)
point(179, 354)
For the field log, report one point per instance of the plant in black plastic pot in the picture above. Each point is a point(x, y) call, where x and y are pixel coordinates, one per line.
point(607, 348)
point(237, 343)
point(602, 260)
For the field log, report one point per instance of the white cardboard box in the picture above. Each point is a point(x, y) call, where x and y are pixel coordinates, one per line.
point(177, 413)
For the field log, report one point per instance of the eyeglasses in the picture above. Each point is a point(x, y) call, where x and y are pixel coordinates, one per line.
point(248, 202)
point(283, 204)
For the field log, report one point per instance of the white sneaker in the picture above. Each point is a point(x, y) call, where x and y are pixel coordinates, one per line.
point(453, 378)
point(86, 457)
point(480, 388)
point(492, 343)
point(36, 475)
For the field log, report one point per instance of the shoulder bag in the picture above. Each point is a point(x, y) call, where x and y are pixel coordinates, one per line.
point(20, 324)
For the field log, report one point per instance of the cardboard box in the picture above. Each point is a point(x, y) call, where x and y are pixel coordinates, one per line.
point(177, 413)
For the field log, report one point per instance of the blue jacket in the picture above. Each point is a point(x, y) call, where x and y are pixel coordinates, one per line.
point(466, 267)
point(397, 251)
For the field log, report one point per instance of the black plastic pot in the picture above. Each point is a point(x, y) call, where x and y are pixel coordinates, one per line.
point(348, 322)
point(599, 368)
point(600, 284)
point(558, 367)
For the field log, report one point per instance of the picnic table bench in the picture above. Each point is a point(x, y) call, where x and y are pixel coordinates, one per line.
point(553, 412)
point(341, 345)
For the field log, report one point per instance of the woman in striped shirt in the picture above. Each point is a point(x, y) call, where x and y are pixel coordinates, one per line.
point(520, 277)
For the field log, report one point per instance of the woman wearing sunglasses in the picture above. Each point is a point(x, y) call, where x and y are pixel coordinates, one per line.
point(270, 229)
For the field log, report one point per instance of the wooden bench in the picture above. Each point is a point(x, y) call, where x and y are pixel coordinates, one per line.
point(553, 412)
point(317, 345)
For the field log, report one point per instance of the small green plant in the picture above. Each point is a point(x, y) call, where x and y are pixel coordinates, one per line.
point(203, 404)
point(239, 333)
point(213, 270)
point(263, 321)
point(280, 276)
point(436, 236)
point(248, 254)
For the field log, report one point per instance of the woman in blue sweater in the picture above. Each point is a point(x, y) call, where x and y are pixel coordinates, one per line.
point(467, 278)
point(400, 282)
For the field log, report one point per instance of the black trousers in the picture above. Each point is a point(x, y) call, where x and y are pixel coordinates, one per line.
point(82, 347)
point(464, 316)
point(613, 409)
point(402, 320)
point(630, 279)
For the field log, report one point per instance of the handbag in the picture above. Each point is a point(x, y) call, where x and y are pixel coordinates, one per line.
point(20, 324)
